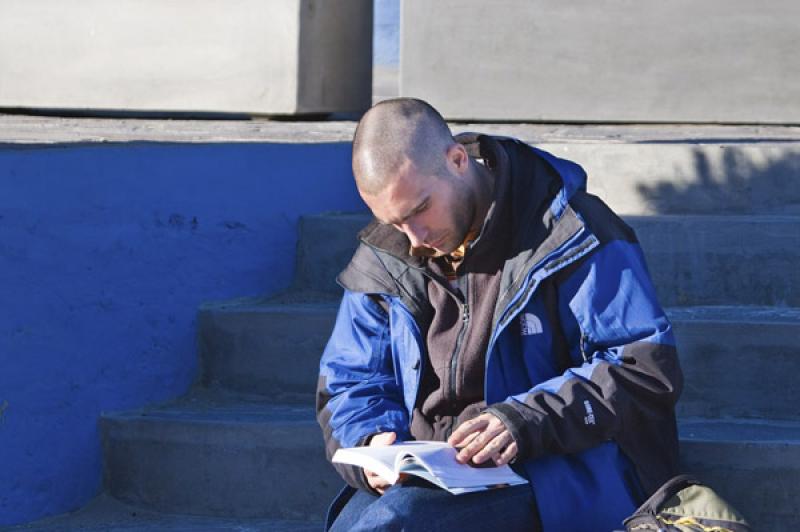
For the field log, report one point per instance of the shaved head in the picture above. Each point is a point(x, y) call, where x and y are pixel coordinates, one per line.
point(395, 133)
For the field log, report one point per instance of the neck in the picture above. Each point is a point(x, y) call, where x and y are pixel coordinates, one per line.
point(484, 194)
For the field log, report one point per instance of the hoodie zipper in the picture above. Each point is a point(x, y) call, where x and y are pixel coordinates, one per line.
point(465, 316)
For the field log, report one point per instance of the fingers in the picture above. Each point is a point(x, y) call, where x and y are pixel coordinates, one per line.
point(469, 439)
point(468, 428)
point(482, 440)
point(376, 482)
point(507, 455)
point(493, 448)
point(383, 438)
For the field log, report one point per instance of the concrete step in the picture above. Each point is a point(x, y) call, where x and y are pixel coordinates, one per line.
point(638, 169)
point(738, 361)
point(694, 260)
point(728, 354)
point(219, 454)
point(106, 514)
point(755, 465)
point(236, 456)
point(262, 347)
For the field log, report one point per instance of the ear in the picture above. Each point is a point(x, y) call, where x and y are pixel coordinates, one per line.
point(457, 158)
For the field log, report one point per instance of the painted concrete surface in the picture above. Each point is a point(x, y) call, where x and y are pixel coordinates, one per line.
point(241, 342)
point(637, 170)
point(220, 454)
point(693, 260)
point(106, 251)
point(244, 340)
point(616, 61)
point(22, 129)
point(106, 514)
point(225, 56)
point(752, 464)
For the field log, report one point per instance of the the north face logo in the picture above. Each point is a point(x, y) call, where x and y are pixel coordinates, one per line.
point(530, 324)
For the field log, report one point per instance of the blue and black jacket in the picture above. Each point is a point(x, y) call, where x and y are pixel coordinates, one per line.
point(581, 364)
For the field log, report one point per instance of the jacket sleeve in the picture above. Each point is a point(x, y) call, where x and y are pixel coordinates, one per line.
point(626, 368)
point(357, 393)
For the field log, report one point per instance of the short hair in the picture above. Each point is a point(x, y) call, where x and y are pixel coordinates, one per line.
point(394, 131)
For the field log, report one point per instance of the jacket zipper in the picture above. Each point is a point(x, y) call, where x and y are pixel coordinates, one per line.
point(451, 389)
point(522, 295)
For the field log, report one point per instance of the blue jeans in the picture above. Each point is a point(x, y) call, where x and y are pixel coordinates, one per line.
point(420, 506)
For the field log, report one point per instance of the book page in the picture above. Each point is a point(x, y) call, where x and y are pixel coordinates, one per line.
point(378, 459)
point(440, 460)
point(432, 461)
point(382, 459)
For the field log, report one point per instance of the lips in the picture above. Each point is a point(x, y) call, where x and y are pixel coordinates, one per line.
point(437, 244)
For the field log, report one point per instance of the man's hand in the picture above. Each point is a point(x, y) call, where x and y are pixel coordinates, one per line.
point(377, 482)
point(482, 438)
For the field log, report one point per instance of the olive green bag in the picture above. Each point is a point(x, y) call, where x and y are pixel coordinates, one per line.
point(684, 504)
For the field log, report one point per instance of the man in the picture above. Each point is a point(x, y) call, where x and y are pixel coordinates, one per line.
point(494, 304)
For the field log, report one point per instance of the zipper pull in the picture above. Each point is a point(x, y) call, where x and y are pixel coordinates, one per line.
point(583, 344)
point(465, 314)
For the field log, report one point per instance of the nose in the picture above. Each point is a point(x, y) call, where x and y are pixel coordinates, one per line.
point(415, 233)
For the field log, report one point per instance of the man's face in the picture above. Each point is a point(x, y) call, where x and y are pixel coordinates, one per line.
point(434, 212)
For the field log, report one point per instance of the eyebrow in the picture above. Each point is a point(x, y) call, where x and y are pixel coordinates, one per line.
point(408, 214)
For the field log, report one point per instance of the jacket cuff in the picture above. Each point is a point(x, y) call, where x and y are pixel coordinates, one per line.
point(516, 425)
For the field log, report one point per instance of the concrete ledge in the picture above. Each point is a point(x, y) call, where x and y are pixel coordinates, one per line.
point(637, 170)
point(753, 464)
point(106, 514)
point(220, 455)
point(23, 129)
point(646, 61)
point(235, 456)
point(241, 342)
point(727, 354)
point(694, 260)
point(738, 361)
point(281, 57)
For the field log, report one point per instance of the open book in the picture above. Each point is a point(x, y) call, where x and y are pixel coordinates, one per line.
point(430, 460)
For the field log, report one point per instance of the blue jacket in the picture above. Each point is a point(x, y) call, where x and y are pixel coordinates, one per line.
point(581, 365)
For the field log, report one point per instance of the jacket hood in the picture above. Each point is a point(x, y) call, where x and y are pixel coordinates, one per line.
point(572, 175)
point(573, 178)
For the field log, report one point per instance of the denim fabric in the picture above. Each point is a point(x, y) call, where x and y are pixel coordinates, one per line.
point(419, 506)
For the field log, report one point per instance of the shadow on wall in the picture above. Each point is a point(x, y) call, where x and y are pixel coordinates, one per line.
point(729, 179)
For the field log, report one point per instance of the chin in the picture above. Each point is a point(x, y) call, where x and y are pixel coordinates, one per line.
point(446, 249)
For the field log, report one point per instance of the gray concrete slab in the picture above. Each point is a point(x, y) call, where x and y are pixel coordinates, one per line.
point(737, 361)
point(214, 454)
point(636, 169)
point(694, 260)
point(106, 514)
point(263, 347)
point(755, 465)
point(678, 61)
point(722, 260)
point(282, 57)
point(24, 129)
point(219, 454)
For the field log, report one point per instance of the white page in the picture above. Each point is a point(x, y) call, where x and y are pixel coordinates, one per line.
point(441, 461)
point(380, 459)
point(437, 457)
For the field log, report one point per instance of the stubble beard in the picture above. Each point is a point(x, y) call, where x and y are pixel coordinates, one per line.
point(462, 222)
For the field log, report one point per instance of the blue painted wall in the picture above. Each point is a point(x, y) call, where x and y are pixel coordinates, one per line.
point(105, 253)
